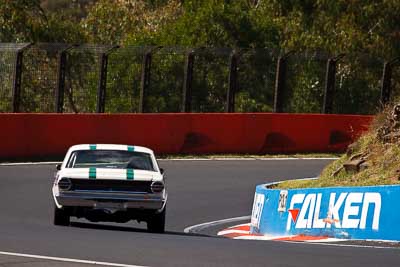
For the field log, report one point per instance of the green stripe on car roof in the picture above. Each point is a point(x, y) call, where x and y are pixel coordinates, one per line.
point(92, 173)
point(129, 174)
point(93, 147)
point(131, 148)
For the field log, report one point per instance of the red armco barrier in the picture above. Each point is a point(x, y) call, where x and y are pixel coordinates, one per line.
point(38, 135)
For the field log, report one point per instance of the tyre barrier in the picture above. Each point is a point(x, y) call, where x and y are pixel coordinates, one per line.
point(46, 135)
point(369, 212)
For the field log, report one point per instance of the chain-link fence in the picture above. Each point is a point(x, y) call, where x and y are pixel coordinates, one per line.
point(124, 79)
point(256, 80)
point(210, 79)
point(7, 67)
point(99, 78)
point(358, 84)
point(82, 78)
point(166, 80)
point(305, 82)
point(40, 77)
point(10, 75)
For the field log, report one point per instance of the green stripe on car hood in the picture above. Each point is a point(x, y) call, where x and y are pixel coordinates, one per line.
point(130, 174)
point(92, 173)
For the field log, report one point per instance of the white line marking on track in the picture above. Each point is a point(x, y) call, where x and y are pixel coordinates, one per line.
point(30, 163)
point(202, 226)
point(67, 259)
point(194, 159)
point(255, 158)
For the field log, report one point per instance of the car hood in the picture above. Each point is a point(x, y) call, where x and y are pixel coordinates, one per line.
point(110, 174)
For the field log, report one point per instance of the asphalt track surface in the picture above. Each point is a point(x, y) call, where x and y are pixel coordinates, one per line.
point(199, 191)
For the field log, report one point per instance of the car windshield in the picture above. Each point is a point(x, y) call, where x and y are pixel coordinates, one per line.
point(117, 159)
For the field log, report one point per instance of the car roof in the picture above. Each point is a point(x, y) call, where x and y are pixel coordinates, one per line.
point(111, 147)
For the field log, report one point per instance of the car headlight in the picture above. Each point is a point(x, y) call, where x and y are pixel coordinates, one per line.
point(157, 187)
point(65, 184)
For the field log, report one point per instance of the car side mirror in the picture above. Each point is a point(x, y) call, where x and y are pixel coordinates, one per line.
point(162, 170)
point(58, 167)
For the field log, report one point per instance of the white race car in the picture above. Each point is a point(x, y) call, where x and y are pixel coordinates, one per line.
point(112, 183)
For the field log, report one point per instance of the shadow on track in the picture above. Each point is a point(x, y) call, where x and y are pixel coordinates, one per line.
point(129, 229)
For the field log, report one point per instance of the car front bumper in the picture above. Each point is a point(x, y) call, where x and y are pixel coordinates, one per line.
point(115, 200)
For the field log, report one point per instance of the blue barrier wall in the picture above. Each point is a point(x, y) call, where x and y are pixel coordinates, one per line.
point(340, 212)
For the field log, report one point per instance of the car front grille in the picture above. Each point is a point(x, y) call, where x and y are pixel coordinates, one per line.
point(111, 185)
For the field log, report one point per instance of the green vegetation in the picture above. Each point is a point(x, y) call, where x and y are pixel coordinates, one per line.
point(271, 27)
point(379, 149)
point(334, 26)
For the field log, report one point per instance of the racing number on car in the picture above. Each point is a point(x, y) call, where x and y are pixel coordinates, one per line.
point(283, 195)
point(257, 210)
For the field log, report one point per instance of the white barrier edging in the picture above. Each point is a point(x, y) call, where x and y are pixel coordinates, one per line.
point(177, 159)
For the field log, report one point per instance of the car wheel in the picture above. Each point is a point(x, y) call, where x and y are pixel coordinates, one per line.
point(156, 224)
point(61, 217)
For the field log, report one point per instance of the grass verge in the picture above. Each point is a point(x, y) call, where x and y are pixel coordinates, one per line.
point(381, 154)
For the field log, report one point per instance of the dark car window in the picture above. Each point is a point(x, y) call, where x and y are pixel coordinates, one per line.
point(110, 159)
